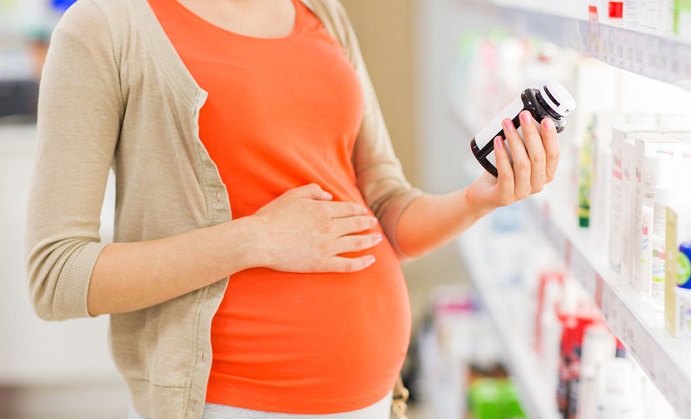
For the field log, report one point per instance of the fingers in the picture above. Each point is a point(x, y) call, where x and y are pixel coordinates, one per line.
point(519, 155)
point(334, 209)
point(356, 243)
point(311, 191)
point(304, 230)
point(339, 262)
point(344, 209)
point(535, 156)
point(350, 225)
point(335, 219)
point(551, 145)
point(344, 265)
point(505, 180)
point(535, 151)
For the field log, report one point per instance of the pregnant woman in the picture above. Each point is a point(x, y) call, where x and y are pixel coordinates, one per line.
point(260, 210)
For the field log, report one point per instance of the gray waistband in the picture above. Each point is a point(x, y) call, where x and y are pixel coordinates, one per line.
point(379, 410)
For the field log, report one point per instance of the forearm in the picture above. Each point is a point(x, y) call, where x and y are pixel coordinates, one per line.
point(300, 231)
point(132, 276)
point(433, 220)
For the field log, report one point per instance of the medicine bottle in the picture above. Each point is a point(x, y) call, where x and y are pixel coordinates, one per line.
point(550, 101)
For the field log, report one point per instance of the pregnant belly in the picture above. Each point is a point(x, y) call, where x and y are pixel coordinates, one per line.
point(310, 343)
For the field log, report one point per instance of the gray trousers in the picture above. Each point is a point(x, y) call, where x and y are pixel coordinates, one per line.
point(379, 410)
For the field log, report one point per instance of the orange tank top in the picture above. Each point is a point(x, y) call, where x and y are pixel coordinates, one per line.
point(282, 113)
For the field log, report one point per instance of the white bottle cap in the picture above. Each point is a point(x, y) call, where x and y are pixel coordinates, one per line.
point(558, 98)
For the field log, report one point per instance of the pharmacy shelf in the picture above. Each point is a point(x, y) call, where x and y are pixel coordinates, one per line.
point(646, 52)
point(520, 361)
point(637, 324)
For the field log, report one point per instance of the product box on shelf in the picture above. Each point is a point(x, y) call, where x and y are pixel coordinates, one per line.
point(574, 326)
point(596, 103)
point(626, 127)
point(633, 11)
point(494, 398)
point(600, 192)
point(550, 292)
point(576, 312)
point(678, 271)
point(585, 175)
point(599, 345)
point(658, 15)
point(658, 168)
point(595, 180)
point(604, 124)
point(620, 214)
point(682, 18)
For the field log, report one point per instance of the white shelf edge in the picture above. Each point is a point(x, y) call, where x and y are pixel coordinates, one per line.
point(637, 325)
point(649, 53)
point(532, 389)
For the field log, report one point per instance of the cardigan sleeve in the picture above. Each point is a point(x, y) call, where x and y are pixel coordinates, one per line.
point(380, 177)
point(79, 114)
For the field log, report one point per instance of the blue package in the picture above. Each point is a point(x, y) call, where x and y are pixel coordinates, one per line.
point(62, 5)
point(684, 265)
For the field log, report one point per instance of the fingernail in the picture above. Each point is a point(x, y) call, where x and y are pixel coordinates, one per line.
point(507, 124)
point(370, 260)
point(548, 123)
point(378, 238)
point(375, 220)
point(525, 117)
point(498, 142)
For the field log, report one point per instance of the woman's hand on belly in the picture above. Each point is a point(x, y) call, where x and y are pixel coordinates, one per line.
point(303, 230)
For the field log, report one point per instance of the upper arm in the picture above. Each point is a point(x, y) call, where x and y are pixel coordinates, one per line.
point(79, 115)
point(380, 177)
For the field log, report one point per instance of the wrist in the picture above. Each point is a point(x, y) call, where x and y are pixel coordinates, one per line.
point(476, 208)
point(242, 235)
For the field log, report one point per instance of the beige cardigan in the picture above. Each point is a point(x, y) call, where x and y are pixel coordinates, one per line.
point(114, 93)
